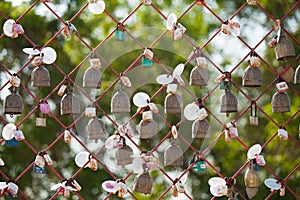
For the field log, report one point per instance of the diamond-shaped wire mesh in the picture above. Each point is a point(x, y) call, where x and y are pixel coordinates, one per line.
point(144, 25)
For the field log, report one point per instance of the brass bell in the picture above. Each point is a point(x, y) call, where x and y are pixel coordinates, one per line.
point(96, 129)
point(124, 155)
point(280, 102)
point(297, 75)
point(40, 77)
point(92, 78)
point(69, 103)
point(284, 48)
point(199, 76)
point(251, 181)
point(252, 77)
point(173, 155)
point(143, 183)
point(147, 127)
point(120, 102)
point(201, 129)
point(228, 101)
point(173, 104)
point(13, 103)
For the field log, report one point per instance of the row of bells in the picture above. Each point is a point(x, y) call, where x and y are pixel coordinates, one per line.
point(120, 103)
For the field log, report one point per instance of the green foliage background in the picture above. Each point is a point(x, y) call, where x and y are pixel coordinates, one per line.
point(281, 156)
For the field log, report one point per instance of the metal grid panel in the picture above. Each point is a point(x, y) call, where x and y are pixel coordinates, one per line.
point(87, 47)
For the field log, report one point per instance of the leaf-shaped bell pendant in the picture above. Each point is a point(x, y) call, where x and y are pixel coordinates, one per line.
point(251, 181)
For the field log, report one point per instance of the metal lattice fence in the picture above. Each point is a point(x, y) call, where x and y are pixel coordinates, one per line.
point(120, 57)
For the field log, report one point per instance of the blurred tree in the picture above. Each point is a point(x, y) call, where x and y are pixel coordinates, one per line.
point(41, 25)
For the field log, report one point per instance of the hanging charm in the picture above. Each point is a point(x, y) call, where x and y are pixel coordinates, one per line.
point(66, 186)
point(231, 27)
point(12, 29)
point(147, 57)
point(252, 2)
point(253, 114)
point(13, 103)
point(90, 111)
point(40, 120)
point(143, 182)
point(120, 102)
point(282, 133)
point(251, 181)
point(199, 74)
point(173, 155)
point(120, 32)
point(252, 76)
point(96, 129)
point(200, 165)
point(280, 100)
point(15, 80)
point(69, 103)
point(297, 75)
point(177, 29)
point(92, 75)
point(283, 47)
point(9, 188)
point(147, 127)
point(123, 153)
point(173, 102)
point(228, 101)
point(67, 136)
point(96, 6)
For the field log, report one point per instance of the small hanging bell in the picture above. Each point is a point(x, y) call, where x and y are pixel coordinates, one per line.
point(69, 103)
point(173, 102)
point(284, 48)
point(96, 129)
point(92, 77)
point(120, 102)
point(251, 181)
point(40, 77)
point(173, 155)
point(143, 182)
point(13, 103)
point(147, 127)
point(297, 75)
point(280, 102)
point(252, 77)
point(124, 155)
point(201, 129)
point(228, 101)
point(199, 76)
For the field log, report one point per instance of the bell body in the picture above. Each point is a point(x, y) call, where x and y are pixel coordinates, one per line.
point(13, 104)
point(173, 104)
point(284, 49)
point(280, 102)
point(40, 77)
point(252, 77)
point(251, 178)
point(173, 156)
point(228, 102)
point(96, 129)
point(69, 104)
point(143, 183)
point(199, 77)
point(92, 78)
point(201, 129)
point(148, 129)
point(297, 75)
point(124, 155)
point(120, 102)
